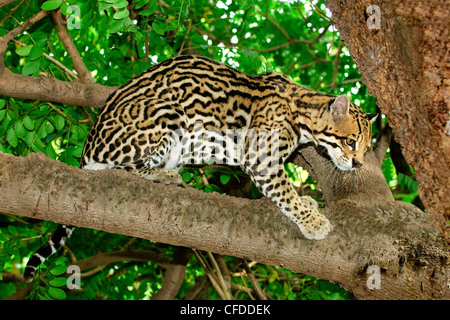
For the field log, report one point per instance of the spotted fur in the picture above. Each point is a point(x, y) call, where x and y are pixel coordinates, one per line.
point(191, 109)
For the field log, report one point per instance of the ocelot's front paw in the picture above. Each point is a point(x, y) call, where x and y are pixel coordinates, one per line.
point(315, 227)
point(310, 202)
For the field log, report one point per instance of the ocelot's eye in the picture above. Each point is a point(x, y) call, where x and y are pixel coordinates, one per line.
point(351, 143)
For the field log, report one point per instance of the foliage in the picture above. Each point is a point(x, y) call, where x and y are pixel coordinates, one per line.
point(119, 39)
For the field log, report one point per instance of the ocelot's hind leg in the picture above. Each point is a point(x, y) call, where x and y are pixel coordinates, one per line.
point(161, 165)
point(275, 185)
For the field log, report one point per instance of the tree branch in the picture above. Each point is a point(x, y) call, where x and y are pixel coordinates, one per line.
point(174, 276)
point(48, 88)
point(64, 36)
point(21, 28)
point(392, 235)
point(5, 2)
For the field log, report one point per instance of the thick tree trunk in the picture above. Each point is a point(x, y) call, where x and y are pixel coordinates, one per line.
point(397, 238)
point(404, 63)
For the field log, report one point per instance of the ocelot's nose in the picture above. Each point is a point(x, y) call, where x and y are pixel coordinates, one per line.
point(356, 163)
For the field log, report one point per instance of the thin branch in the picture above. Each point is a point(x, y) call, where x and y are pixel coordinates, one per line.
point(232, 45)
point(51, 59)
point(11, 12)
point(225, 288)
point(13, 33)
point(174, 276)
point(211, 275)
point(276, 25)
point(336, 64)
point(185, 37)
point(321, 34)
point(348, 81)
point(102, 259)
point(48, 88)
point(259, 292)
point(64, 36)
point(4, 3)
point(21, 28)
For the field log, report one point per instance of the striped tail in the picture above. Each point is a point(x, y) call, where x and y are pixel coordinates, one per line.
point(62, 233)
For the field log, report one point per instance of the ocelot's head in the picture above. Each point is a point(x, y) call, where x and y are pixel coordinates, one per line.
point(347, 134)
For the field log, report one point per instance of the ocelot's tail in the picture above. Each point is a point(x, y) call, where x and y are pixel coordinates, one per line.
point(62, 233)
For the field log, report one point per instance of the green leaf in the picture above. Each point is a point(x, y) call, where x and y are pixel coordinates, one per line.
point(51, 5)
point(122, 14)
point(29, 137)
point(59, 270)
point(12, 138)
point(187, 176)
point(142, 3)
point(30, 67)
point(57, 293)
point(49, 128)
point(28, 123)
point(41, 132)
point(24, 51)
point(35, 53)
point(19, 130)
point(159, 26)
point(116, 25)
point(2, 114)
point(12, 230)
point(2, 103)
point(147, 12)
point(50, 152)
point(121, 4)
point(58, 282)
point(59, 122)
point(224, 178)
point(77, 151)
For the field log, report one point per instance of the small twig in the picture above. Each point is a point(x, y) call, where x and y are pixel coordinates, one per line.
point(11, 12)
point(321, 34)
point(210, 274)
point(336, 64)
point(21, 28)
point(259, 292)
point(276, 25)
point(247, 289)
point(225, 288)
point(51, 59)
point(91, 272)
point(204, 179)
point(231, 45)
point(64, 36)
point(185, 37)
point(320, 13)
point(346, 82)
point(59, 111)
point(88, 116)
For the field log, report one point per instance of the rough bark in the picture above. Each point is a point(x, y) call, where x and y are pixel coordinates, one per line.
point(48, 88)
point(397, 237)
point(405, 66)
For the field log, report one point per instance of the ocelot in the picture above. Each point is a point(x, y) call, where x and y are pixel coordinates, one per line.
point(191, 109)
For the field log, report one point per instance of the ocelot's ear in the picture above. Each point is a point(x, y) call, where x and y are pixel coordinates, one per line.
point(339, 108)
point(372, 117)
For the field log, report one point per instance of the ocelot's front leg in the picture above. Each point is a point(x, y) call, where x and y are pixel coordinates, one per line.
point(274, 184)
